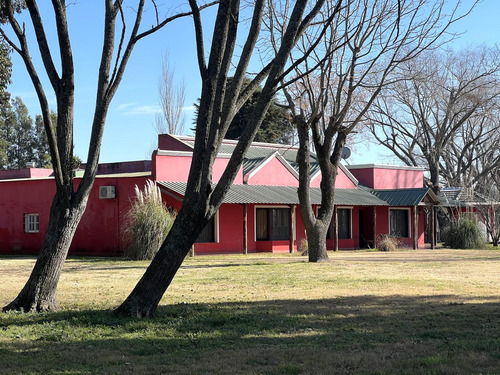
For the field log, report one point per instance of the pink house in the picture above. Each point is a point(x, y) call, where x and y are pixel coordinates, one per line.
point(260, 212)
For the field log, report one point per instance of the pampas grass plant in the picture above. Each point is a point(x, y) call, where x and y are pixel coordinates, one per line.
point(147, 223)
point(463, 233)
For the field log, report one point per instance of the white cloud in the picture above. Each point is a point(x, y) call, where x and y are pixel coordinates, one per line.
point(124, 106)
point(189, 108)
point(132, 109)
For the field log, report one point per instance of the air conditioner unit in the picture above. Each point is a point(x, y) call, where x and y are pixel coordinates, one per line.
point(106, 192)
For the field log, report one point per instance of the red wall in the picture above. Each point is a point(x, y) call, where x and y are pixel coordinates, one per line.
point(230, 232)
point(342, 181)
point(175, 168)
point(388, 178)
point(273, 173)
point(99, 229)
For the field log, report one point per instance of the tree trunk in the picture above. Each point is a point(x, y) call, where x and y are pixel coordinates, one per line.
point(316, 241)
point(144, 299)
point(39, 292)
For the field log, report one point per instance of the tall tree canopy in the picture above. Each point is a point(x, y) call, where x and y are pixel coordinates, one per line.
point(335, 86)
point(442, 112)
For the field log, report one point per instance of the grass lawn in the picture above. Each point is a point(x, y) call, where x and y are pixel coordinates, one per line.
point(406, 312)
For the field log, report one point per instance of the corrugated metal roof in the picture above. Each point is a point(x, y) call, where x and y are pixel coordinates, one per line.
point(463, 197)
point(404, 197)
point(284, 195)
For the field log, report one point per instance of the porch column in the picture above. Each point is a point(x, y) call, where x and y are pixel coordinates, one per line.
point(245, 229)
point(374, 227)
point(433, 229)
point(292, 227)
point(335, 228)
point(415, 228)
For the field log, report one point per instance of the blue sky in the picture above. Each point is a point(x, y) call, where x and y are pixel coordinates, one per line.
point(129, 132)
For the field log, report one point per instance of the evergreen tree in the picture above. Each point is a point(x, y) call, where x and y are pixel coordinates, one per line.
point(20, 135)
point(21, 139)
point(276, 127)
point(42, 157)
point(5, 72)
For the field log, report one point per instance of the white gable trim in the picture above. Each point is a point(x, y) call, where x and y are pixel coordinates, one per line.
point(349, 175)
point(261, 165)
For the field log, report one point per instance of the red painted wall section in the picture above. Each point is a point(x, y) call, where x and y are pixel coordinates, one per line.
point(273, 173)
point(100, 230)
point(175, 168)
point(342, 181)
point(388, 178)
point(230, 232)
point(167, 142)
point(382, 218)
point(16, 199)
point(25, 173)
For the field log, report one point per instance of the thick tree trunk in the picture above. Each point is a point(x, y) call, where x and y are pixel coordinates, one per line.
point(316, 241)
point(39, 293)
point(144, 299)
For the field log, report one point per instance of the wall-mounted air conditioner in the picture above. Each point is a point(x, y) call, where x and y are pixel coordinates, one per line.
point(106, 192)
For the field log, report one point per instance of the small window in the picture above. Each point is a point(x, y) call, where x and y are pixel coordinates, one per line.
point(399, 223)
point(31, 223)
point(272, 224)
point(208, 233)
point(344, 224)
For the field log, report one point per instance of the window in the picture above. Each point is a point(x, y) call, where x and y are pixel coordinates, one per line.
point(344, 224)
point(272, 224)
point(31, 223)
point(399, 223)
point(208, 233)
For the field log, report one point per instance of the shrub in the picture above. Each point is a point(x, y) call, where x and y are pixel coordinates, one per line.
point(304, 247)
point(147, 223)
point(388, 243)
point(463, 233)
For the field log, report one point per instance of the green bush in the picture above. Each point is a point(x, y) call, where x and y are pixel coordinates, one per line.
point(147, 223)
point(388, 243)
point(463, 233)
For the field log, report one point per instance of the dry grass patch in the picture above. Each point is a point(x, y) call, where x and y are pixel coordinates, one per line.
point(426, 311)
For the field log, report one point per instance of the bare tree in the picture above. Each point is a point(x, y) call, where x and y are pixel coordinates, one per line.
point(336, 85)
point(219, 102)
point(171, 97)
point(439, 113)
point(69, 203)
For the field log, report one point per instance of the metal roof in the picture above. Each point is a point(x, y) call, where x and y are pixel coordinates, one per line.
point(405, 197)
point(463, 197)
point(264, 194)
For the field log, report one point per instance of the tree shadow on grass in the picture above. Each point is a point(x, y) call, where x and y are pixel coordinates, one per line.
point(367, 334)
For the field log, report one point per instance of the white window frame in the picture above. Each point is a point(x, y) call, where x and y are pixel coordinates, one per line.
point(292, 225)
point(32, 223)
point(408, 210)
